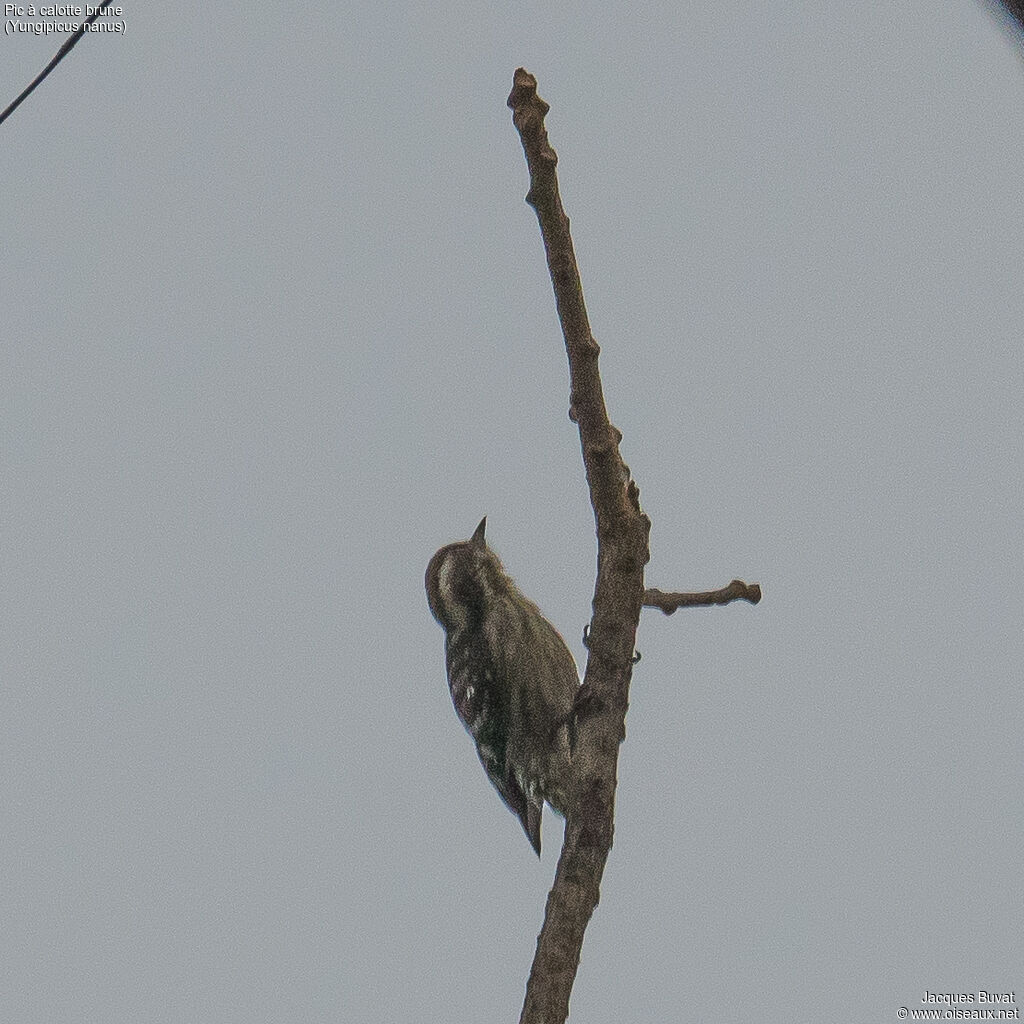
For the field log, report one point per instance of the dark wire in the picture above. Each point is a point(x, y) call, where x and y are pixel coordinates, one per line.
point(56, 60)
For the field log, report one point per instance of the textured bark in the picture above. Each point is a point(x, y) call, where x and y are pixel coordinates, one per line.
point(619, 595)
point(736, 591)
point(622, 553)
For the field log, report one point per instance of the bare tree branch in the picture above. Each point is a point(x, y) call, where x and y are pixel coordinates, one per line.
point(736, 591)
point(61, 54)
point(622, 553)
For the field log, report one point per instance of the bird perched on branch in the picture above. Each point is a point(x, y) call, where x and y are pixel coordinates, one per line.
point(511, 677)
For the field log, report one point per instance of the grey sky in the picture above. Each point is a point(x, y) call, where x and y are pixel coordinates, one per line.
point(277, 325)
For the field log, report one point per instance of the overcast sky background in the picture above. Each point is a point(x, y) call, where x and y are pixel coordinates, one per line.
point(277, 325)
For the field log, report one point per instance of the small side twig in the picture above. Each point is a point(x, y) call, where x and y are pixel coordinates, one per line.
point(736, 591)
